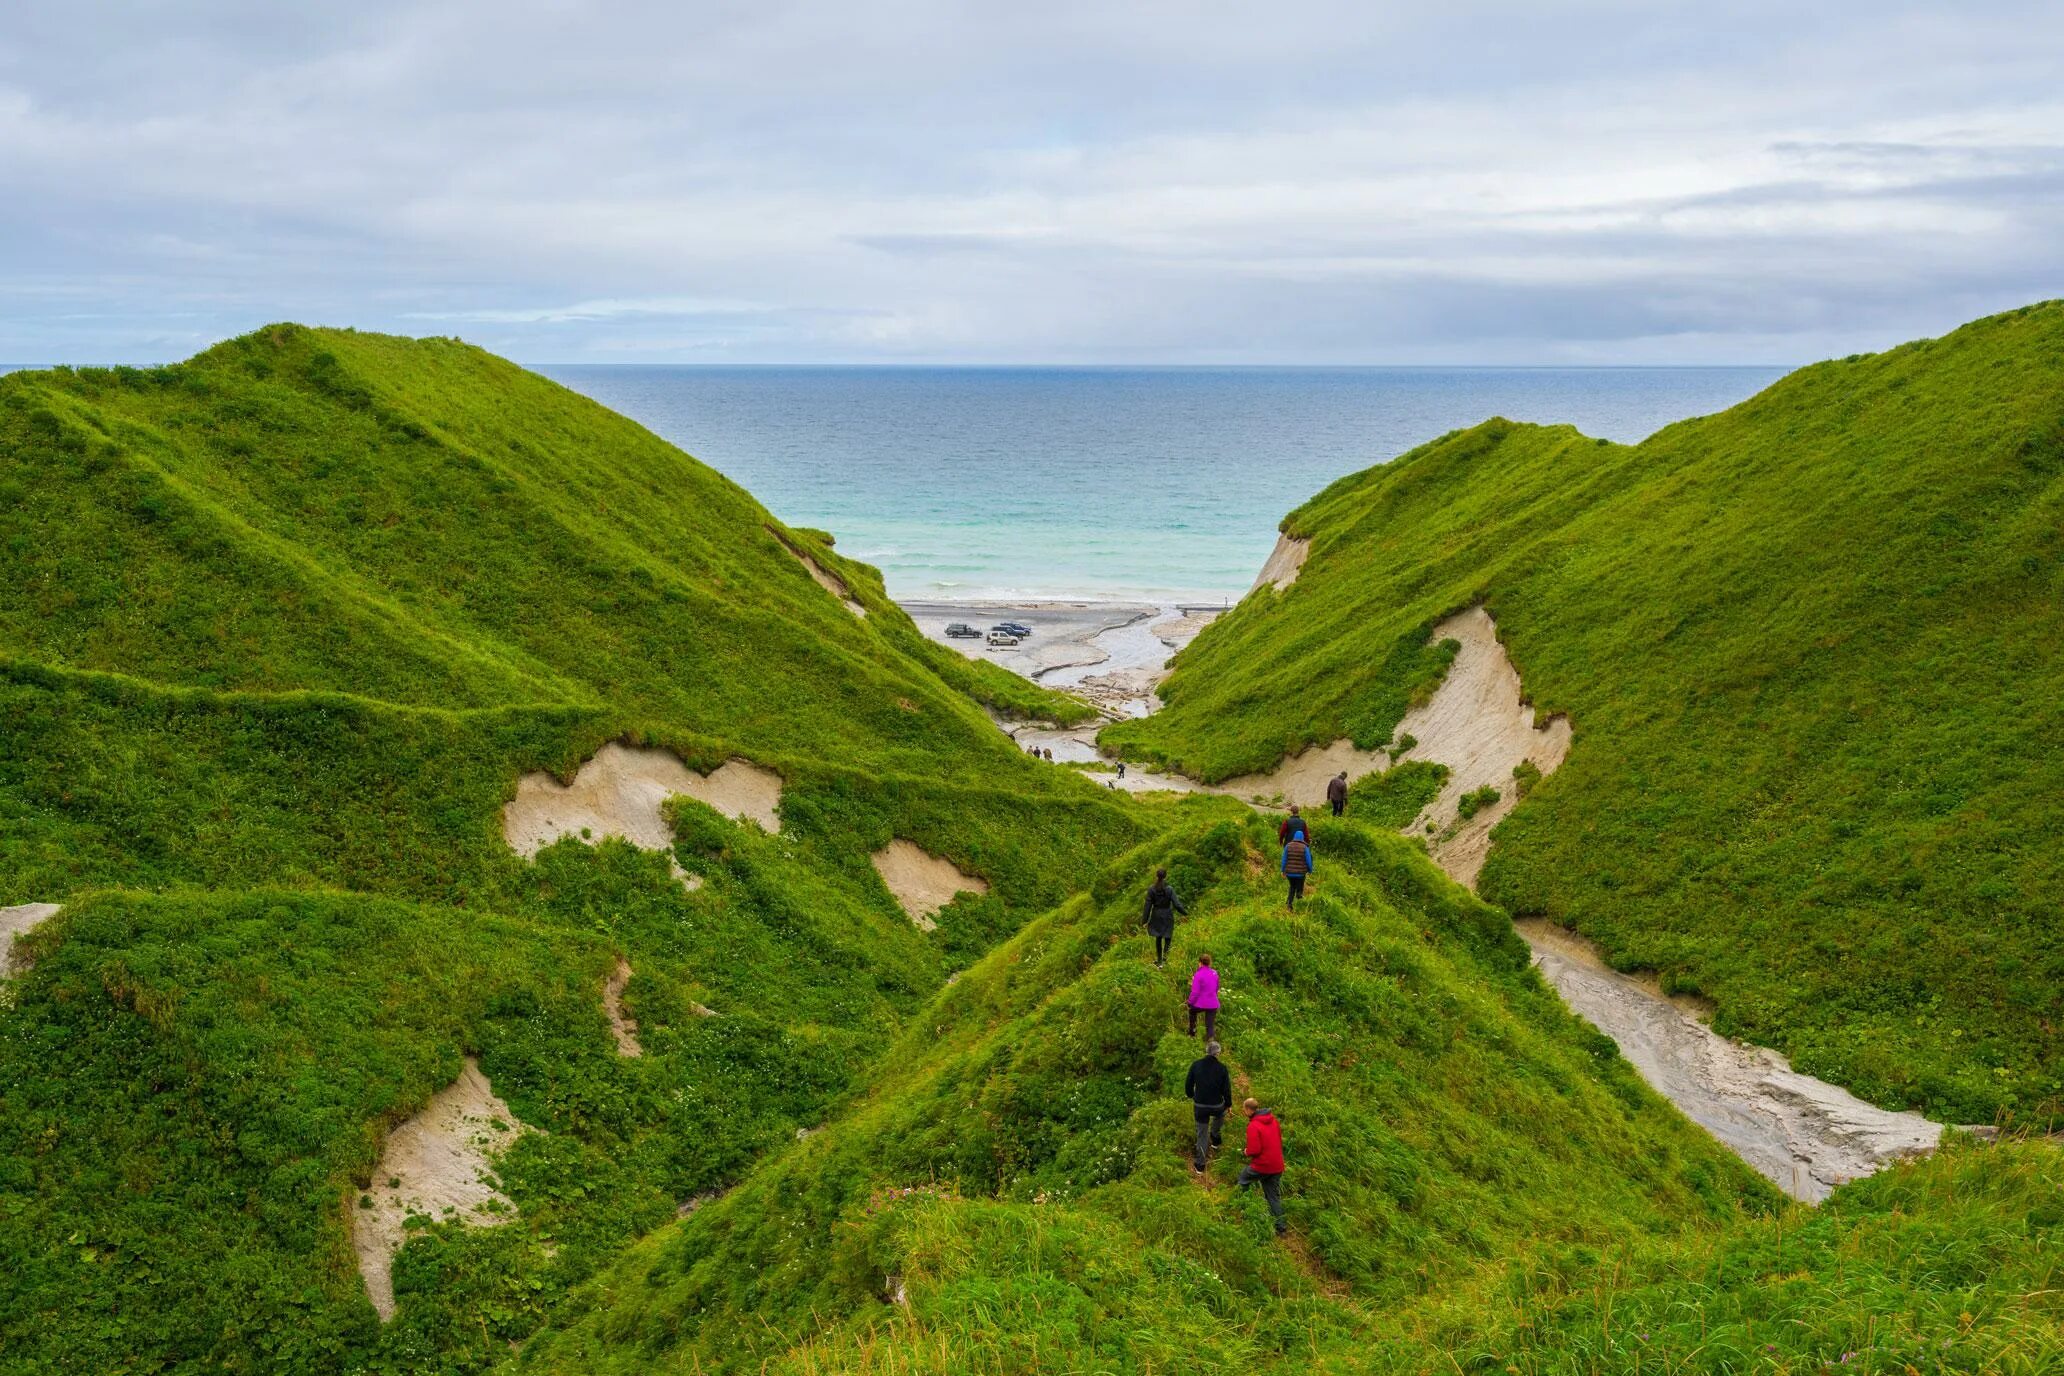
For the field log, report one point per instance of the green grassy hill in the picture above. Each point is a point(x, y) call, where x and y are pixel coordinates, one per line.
point(1810, 649)
point(1476, 1181)
point(1021, 1166)
point(282, 627)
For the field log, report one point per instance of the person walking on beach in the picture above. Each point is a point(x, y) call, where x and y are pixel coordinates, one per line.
point(1336, 792)
point(1210, 1087)
point(1290, 826)
point(1158, 917)
point(1265, 1160)
point(1298, 864)
point(1204, 998)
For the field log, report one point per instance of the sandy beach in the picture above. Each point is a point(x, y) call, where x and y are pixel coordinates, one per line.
point(1115, 654)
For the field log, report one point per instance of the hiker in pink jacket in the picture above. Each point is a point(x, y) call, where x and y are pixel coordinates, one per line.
point(1204, 998)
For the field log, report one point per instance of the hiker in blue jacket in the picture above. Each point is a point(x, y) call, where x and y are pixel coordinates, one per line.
point(1298, 862)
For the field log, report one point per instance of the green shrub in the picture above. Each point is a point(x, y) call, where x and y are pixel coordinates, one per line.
point(1475, 801)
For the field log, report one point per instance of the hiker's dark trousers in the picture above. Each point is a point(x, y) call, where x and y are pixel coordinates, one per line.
point(1296, 887)
point(1161, 940)
point(1210, 1124)
point(1210, 1022)
point(1271, 1190)
point(1339, 806)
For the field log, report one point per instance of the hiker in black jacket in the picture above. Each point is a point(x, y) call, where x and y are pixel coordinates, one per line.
point(1210, 1087)
point(1158, 917)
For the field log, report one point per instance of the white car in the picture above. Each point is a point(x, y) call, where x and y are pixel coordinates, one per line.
point(1004, 640)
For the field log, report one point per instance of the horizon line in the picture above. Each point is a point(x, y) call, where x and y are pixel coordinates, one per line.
point(888, 366)
point(1164, 367)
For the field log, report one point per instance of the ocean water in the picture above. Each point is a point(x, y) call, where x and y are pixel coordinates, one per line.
point(1161, 484)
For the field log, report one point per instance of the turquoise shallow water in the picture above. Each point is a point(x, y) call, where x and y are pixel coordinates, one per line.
point(1151, 483)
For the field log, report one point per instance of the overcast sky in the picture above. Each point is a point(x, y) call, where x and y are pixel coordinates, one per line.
point(1118, 181)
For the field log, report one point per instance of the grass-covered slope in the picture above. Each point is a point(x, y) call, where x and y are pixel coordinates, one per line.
point(1810, 648)
point(1015, 1193)
point(420, 522)
point(281, 629)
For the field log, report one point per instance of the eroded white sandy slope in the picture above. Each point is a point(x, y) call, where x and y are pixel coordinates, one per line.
point(1479, 724)
point(20, 920)
point(622, 791)
point(1285, 561)
point(439, 1163)
point(922, 882)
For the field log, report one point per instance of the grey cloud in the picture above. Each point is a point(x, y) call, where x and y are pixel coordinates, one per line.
point(924, 180)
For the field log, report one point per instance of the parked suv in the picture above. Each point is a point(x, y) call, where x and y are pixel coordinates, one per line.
point(960, 630)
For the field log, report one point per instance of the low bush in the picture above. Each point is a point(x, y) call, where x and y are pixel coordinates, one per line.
point(1475, 801)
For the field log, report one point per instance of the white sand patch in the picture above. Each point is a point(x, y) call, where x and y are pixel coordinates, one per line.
point(621, 791)
point(1479, 724)
point(923, 883)
point(1805, 1135)
point(1302, 778)
point(827, 580)
point(1284, 563)
point(20, 920)
point(441, 1161)
point(622, 1025)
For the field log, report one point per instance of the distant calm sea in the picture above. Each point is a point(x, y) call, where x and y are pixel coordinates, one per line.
point(1153, 483)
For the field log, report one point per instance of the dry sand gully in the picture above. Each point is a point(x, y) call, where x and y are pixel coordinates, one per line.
point(922, 882)
point(1807, 1136)
point(1480, 725)
point(440, 1164)
point(1477, 723)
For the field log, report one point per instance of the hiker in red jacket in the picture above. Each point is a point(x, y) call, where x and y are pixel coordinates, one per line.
point(1290, 826)
point(1265, 1159)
